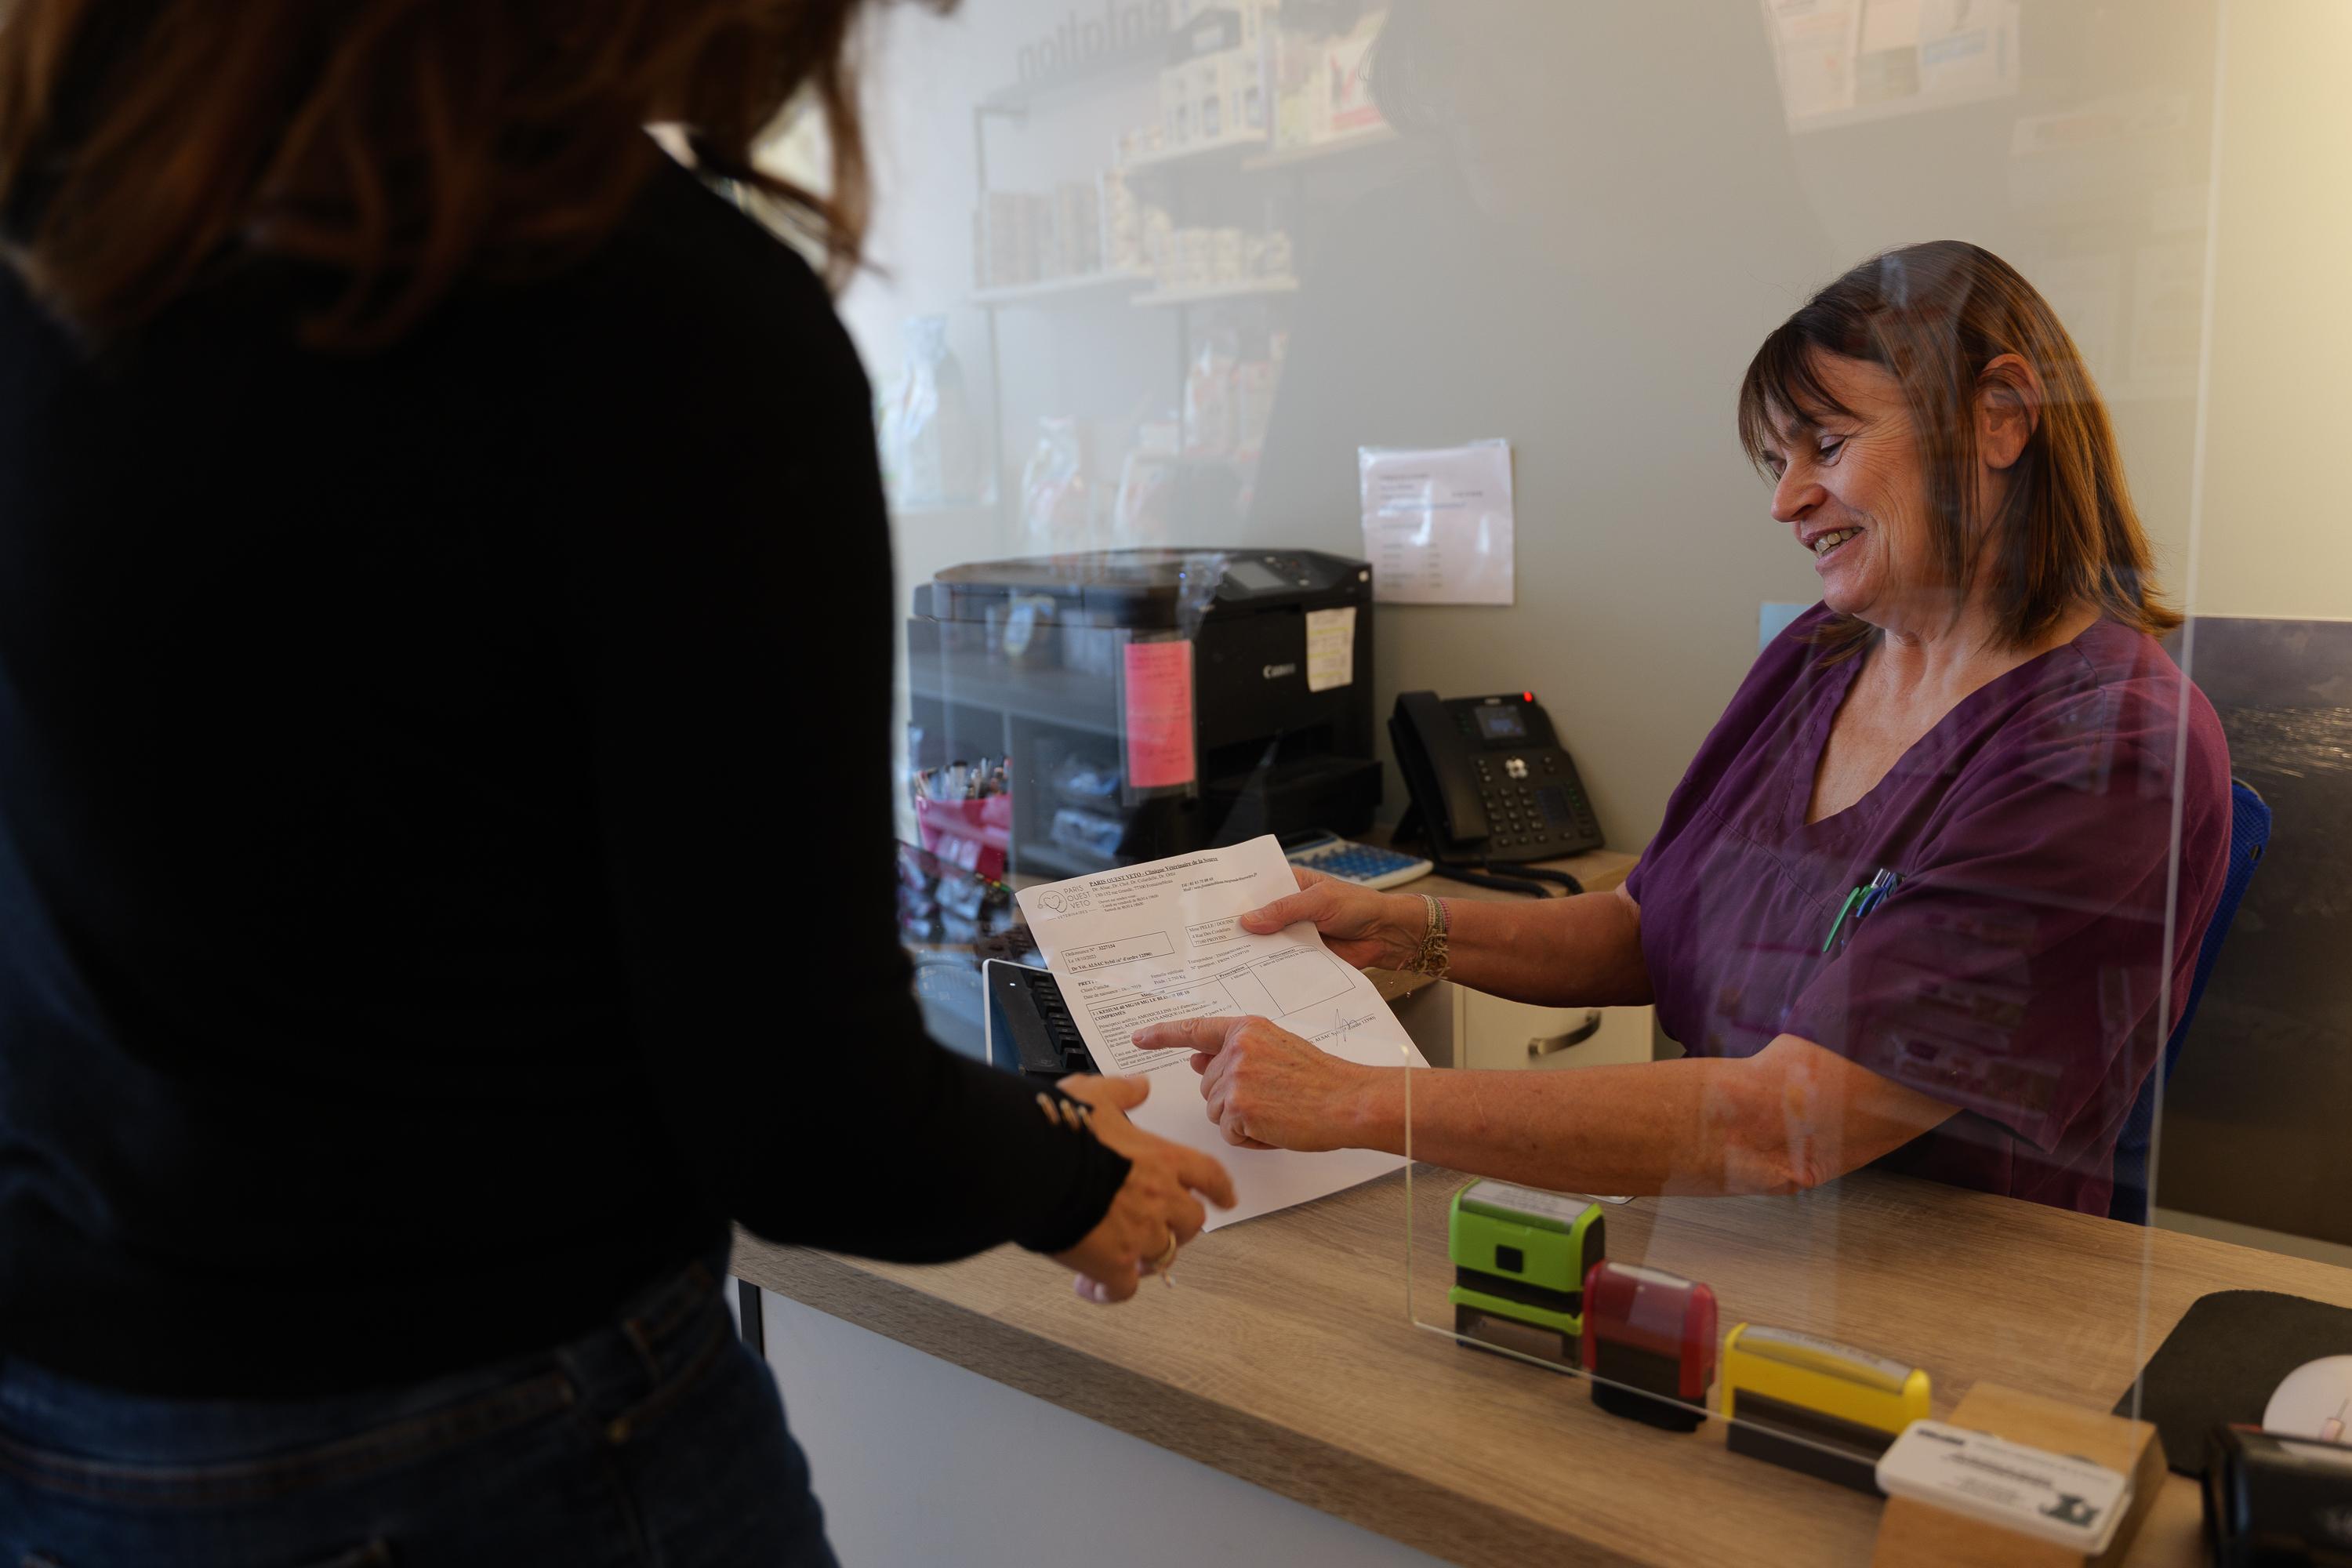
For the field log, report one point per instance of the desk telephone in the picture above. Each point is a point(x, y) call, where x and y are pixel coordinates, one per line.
point(1489, 781)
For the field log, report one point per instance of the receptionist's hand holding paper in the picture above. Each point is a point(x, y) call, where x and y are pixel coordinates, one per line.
point(1163, 942)
point(1264, 1086)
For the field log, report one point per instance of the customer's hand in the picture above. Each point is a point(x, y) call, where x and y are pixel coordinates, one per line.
point(1266, 1087)
point(1154, 1204)
point(1369, 930)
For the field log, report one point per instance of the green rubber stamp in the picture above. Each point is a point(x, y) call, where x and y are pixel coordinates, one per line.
point(1520, 1256)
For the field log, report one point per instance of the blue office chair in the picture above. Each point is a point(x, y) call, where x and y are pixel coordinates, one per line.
point(2249, 830)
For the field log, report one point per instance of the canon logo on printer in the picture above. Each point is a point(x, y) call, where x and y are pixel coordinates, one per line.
point(1276, 671)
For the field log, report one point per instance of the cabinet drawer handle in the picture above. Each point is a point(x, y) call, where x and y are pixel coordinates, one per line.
point(1544, 1045)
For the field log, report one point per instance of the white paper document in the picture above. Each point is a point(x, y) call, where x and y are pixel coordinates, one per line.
point(1438, 523)
point(1151, 943)
point(1331, 649)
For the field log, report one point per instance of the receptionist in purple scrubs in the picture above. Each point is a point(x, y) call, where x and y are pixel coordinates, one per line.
point(1977, 717)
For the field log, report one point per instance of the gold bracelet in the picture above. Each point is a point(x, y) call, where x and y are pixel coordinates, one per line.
point(1435, 956)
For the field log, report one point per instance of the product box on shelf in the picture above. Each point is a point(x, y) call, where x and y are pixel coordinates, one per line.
point(1121, 242)
point(1242, 78)
point(1176, 107)
point(1159, 246)
point(1187, 259)
point(1212, 89)
point(1024, 238)
point(1298, 59)
point(1212, 108)
point(1209, 32)
point(1322, 83)
point(971, 834)
point(1225, 99)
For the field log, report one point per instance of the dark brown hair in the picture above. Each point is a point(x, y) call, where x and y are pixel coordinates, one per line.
point(149, 146)
point(1935, 316)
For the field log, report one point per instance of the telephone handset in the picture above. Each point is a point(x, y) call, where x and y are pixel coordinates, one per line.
point(1490, 779)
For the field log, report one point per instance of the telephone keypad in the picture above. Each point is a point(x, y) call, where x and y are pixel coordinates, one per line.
point(1525, 809)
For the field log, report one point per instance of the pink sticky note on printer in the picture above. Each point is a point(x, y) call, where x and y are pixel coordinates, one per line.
point(1159, 713)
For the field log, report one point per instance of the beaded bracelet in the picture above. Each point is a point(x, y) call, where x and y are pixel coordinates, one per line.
point(1434, 957)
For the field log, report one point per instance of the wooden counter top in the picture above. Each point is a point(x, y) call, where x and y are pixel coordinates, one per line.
point(1599, 871)
point(1287, 1353)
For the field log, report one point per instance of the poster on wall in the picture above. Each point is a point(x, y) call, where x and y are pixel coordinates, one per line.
point(1815, 42)
point(1438, 522)
point(1841, 60)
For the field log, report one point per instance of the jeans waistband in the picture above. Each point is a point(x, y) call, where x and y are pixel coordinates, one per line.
point(616, 1375)
point(665, 1338)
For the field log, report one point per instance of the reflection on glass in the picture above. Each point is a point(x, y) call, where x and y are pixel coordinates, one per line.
point(1929, 900)
point(1930, 910)
point(1917, 902)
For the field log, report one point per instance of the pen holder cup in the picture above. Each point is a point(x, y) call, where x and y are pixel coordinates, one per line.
point(972, 833)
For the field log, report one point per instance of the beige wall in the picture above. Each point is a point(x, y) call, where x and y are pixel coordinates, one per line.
point(2276, 529)
point(1644, 543)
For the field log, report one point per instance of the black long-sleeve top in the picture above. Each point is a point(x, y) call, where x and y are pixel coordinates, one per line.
point(446, 850)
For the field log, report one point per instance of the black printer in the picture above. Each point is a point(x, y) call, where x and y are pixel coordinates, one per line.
point(1150, 702)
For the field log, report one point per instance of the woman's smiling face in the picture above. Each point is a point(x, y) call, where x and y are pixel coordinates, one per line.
point(1853, 488)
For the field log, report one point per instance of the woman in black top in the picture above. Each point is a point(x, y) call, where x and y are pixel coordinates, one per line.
point(446, 862)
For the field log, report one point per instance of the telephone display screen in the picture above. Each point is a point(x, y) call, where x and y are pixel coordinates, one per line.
point(1501, 724)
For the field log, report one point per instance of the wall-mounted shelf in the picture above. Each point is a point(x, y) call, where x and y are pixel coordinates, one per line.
point(1257, 156)
point(1068, 699)
point(1242, 290)
point(1316, 152)
point(1236, 149)
point(1054, 291)
point(1236, 182)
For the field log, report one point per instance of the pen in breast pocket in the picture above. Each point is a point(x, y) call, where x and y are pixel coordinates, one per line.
point(1859, 903)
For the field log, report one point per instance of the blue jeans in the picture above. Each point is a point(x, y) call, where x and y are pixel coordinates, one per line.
point(657, 1442)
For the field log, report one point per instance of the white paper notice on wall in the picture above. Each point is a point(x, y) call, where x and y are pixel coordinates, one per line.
point(1331, 649)
point(1438, 522)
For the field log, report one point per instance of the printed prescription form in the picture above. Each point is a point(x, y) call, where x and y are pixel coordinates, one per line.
point(1151, 943)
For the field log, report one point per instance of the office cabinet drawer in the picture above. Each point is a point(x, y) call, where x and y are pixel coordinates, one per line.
point(1494, 1033)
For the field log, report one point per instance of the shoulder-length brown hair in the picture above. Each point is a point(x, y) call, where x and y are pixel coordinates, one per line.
point(1935, 316)
point(149, 146)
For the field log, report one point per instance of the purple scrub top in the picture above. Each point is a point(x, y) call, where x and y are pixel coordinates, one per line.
point(2013, 970)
